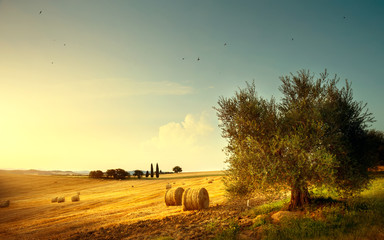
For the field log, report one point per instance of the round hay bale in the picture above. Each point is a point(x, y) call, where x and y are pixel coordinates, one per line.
point(54, 199)
point(168, 186)
point(75, 198)
point(4, 204)
point(60, 199)
point(210, 181)
point(173, 196)
point(195, 199)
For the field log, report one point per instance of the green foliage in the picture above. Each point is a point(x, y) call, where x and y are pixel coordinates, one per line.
point(147, 174)
point(323, 192)
point(262, 220)
point(151, 170)
point(177, 169)
point(315, 136)
point(157, 171)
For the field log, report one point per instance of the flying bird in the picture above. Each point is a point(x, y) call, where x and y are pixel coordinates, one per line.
point(183, 58)
point(225, 44)
point(292, 39)
point(198, 59)
point(40, 12)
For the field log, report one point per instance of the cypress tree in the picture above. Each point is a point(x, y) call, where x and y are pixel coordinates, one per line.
point(151, 170)
point(157, 170)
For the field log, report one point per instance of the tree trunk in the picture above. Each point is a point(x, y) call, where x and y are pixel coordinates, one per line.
point(299, 198)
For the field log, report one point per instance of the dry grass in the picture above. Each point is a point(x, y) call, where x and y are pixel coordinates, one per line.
point(103, 202)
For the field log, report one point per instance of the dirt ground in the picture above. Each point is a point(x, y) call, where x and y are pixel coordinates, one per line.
point(109, 209)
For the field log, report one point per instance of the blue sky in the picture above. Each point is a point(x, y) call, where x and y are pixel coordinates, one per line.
point(108, 84)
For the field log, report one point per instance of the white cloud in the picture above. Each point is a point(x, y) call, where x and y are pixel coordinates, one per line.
point(194, 144)
point(184, 134)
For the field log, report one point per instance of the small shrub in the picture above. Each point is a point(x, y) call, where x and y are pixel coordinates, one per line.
point(269, 207)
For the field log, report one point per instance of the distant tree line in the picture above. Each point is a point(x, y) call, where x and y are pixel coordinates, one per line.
point(110, 174)
point(122, 174)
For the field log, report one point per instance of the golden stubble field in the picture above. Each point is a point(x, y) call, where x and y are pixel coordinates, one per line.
point(103, 203)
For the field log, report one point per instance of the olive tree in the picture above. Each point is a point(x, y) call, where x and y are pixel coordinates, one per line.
point(310, 138)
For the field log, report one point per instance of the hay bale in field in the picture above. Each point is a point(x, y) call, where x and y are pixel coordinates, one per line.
point(173, 196)
point(210, 181)
point(54, 199)
point(60, 199)
point(168, 186)
point(75, 198)
point(5, 204)
point(195, 199)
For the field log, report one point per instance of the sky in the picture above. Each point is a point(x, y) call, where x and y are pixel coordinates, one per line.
point(91, 84)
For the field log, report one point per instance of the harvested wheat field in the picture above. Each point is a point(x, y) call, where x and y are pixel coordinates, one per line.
point(103, 204)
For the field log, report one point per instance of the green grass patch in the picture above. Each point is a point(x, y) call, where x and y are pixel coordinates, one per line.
point(230, 232)
point(356, 218)
point(267, 208)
